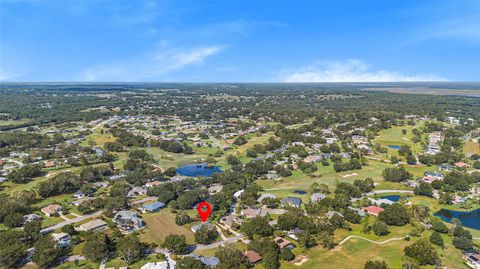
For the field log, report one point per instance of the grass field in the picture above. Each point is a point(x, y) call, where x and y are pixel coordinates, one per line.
point(161, 224)
point(393, 136)
point(13, 122)
point(471, 148)
point(326, 175)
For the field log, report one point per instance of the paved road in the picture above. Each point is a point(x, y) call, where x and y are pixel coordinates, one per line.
point(388, 191)
point(375, 242)
point(71, 221)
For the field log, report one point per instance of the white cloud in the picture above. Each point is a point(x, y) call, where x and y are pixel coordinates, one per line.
point(151, 66)
point(351, 70)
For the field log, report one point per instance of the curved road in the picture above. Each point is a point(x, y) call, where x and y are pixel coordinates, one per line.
point(371, 241)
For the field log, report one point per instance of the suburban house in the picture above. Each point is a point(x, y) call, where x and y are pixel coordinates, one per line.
point(80, 201)
point(436, 175)
point(96, 224)
point(127, 221)
point(215, 188)
point(169, 263)
point(136, 191)
point(461, 164)
point(292, 201)
point(472, 259)
point(313, 159)
point(62, 239)
point(266, 195)
point(446, 167)
point(254, 212)
point(208, 261)
point(252, 256)
point(51, 210)
point(283, 243)
point(294, 233)
point(373, 210)
point(153, 184)
point(330, 214)
point(154, 207)
point(197, 227)
point(231, 220)
point(30, 217)
point(79, 194)
point(317, 197)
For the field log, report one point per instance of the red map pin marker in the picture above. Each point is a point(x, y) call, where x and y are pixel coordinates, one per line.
point(204, 214)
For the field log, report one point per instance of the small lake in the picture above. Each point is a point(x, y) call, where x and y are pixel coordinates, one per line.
point(300, 192)
point(393, 198)
point(394, 147)
point(468, 219)
point(198, 170)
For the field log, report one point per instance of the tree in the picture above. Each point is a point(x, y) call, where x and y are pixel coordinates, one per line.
point(32, 228)
point(269, 251)
point(230, 258)
point(422, 251)
point(380, 228)
point(12, 250)
point(46, 252)
point(424, 189)
point(439, 226)
point(287, 255)
point(13, 220)
point(394, 214)
point(257, 226)
point(206, 235)
point(396, 174)
point(436, 238)
point(175, 243)
point(233, 160)
point(375, 265)
point(96, 246)
point(190, 263)
point(130, 249)
point(182, 218)
point(462, 242)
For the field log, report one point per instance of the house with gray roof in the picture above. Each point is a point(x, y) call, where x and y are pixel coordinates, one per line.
point(128, 221)
point(292, 201)
point(317, 197)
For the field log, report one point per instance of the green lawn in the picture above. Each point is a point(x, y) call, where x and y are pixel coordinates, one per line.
point(471, 148)
point(394, 136)
point(161, 224)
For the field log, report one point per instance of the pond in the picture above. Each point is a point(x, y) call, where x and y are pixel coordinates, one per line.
point(394, 146)
point(198, 170)
point(300, 192)
point(393, 198)
point(468, 219)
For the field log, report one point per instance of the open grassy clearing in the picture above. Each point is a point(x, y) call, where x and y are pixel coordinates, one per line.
point(394, 137)
point(325, 175)
point(471, 148)
point(161, 224)
point(13, 122)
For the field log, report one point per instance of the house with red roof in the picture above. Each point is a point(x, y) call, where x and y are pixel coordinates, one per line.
point(373, 210)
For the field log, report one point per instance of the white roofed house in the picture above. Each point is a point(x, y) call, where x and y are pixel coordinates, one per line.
point(62, 239)
point(96, 224)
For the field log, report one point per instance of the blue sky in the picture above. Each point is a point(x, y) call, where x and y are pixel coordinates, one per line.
point(239, 41)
